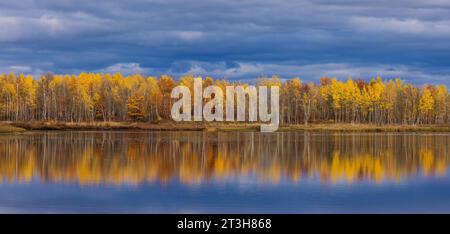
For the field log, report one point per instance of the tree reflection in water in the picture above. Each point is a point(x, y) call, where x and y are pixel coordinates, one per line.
point(196, 157)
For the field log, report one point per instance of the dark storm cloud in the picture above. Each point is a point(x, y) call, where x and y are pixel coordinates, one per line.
point(234, 39)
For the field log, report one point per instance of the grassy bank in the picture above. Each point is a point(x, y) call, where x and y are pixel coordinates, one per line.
point(366, 128)
point(61, 126)
point(6, 128)
point(213, 127)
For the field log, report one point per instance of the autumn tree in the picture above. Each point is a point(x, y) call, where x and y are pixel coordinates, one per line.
point(136, 107)
point(426, 104)
point(166, 84)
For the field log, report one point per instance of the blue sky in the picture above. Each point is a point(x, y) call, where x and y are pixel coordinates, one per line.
point(237, 40)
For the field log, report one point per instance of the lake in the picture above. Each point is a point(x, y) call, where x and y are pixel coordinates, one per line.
point(225, 172)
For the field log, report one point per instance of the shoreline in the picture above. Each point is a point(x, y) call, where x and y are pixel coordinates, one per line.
point(17, 127)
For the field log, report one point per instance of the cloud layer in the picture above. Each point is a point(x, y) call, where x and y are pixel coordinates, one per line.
point(229, 38)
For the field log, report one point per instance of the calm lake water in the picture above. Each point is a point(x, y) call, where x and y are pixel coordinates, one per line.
point(247, 172)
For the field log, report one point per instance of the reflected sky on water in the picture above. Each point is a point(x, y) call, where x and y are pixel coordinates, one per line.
point(185, 172)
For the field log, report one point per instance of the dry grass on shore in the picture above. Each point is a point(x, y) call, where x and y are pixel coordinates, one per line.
point(213, 127)
point(341, 127)
point(6, 128)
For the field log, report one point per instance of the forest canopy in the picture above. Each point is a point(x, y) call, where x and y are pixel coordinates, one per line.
point(114, 97)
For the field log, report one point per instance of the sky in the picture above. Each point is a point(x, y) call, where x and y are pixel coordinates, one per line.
point(236, 40)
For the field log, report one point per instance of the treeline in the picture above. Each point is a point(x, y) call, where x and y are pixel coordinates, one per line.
point(114, 97)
